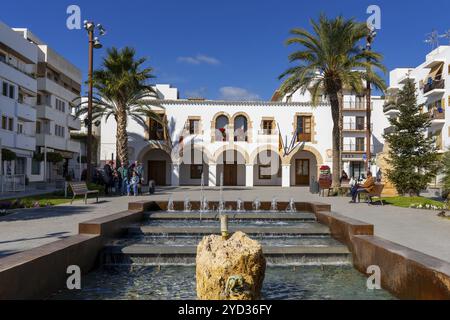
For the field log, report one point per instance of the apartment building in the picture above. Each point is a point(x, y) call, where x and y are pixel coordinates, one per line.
point(18, 93)
point(433, 91)
point(58, 88)
point(283, 142)
point(38, 87)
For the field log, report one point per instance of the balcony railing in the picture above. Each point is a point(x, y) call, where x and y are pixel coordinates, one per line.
point(433, 85)
point(352, 126)
point(31, 75)
point(355, 105)
point(268, 132)
point(354, 148)
point(437, 114)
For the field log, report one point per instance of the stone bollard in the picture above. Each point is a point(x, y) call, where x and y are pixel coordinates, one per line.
point(231, 269)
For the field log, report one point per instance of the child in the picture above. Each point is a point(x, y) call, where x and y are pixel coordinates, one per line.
point(134, 182)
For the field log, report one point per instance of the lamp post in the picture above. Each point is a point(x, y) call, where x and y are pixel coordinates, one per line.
point(369, 40)
point(94, 43)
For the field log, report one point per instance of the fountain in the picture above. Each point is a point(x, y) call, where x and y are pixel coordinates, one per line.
point(187, 205)
point(240, 205)
point(204, 205)
point(291, 208)
point(257, 205)
point(170, 205)
point(274, 205)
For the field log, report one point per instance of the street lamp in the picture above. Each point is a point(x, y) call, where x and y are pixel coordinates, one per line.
point(94, 43)
point(369, 40)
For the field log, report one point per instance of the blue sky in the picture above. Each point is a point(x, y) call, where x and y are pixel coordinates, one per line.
point(222, 49)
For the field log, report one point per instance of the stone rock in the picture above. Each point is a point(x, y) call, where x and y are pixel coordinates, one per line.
point(230, 269)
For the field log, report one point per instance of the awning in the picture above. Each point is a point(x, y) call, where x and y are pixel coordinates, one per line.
point(436, 72)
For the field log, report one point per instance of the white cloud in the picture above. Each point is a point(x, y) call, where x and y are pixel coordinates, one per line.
point(237, 94)
point(199, 59)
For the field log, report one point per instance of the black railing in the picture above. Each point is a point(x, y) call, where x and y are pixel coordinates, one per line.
point(435, 84)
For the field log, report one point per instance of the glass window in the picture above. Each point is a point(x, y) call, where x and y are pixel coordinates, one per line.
point(267, 126)
point(304, 124)
point(264, 172)
point(20, 165)
point(5, 89)
point(196, 171)
point(11, 124)
point(194, 126)
point(12, 91)
point(4, 123)
point(35, 167)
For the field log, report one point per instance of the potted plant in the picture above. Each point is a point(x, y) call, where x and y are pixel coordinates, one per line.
point(223, 131)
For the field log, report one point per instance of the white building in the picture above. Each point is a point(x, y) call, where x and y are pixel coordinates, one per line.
point(433, 89)
point(18, 61)
point(240, 141)
point(38, 87)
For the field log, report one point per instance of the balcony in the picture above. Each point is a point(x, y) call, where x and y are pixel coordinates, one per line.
point(269, 136)
point(47, 85)
point(23, 79)
point(435, 87)
point(437, 115)
point(26, 112)
point(355, 106)
point(355, 127)
point(73, 123)
point(25, 142)
point(354, 148)
point(51, 141)
point(73, 146)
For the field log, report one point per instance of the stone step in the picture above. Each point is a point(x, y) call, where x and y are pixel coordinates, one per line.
point(313, 229)
point(161, 250)
point(299, 216)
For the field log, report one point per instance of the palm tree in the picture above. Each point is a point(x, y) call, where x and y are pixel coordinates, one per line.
point(330, 62)
point(122, 91)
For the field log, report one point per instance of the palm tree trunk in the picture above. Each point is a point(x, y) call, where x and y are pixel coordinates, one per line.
point(122, 136)
point(336, 143)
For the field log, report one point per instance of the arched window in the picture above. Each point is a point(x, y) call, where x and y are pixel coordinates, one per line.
point(240, 128)
point(221, 128)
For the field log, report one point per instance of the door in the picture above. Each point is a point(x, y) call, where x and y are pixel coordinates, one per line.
point(302, 172)
point(230, 174)
point(157, 172)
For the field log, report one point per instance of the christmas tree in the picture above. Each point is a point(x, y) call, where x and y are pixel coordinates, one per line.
point(413, 158)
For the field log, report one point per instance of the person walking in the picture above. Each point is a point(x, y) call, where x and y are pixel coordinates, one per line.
point(124, 175)
point(108, 176)
point(139, 169)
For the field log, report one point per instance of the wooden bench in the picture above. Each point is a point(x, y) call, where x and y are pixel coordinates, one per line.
point(376, 192)
point(80, 188)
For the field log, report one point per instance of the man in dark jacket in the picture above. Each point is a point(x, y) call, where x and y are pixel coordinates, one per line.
point(107, 170)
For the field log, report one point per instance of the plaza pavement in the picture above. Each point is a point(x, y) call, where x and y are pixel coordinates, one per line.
point(417, 229)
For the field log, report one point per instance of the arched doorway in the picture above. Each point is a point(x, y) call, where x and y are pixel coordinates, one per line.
point(157, 165)
point(267, 168)
point(230, 167)
point(304, 168)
